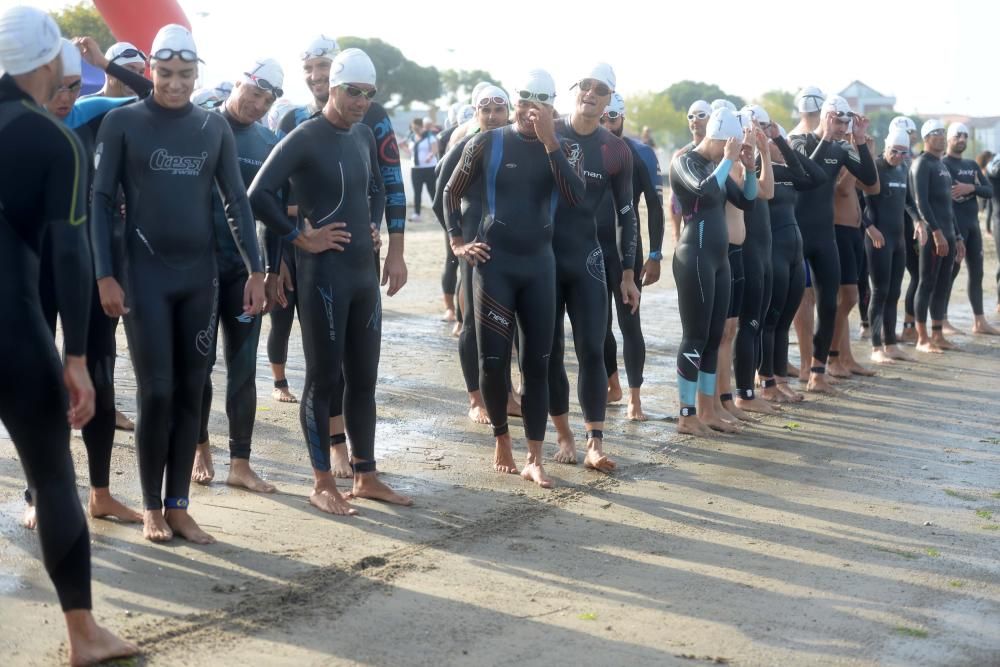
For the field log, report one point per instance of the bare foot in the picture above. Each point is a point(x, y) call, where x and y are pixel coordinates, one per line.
point(477, 413)
point(614, 389)
point(456, 330)
point(929, 347)
point(449, 315)
point(635, 412)
point(880, 356)
point(123, 423)
point(513, 406)
point(948, 330)
point(90, 644)
point(368, 485)
point(567, 450)
point(595, 458)
point(241, 475)
point(693, 426)
point(943, 342)
point(283, 395)
point(730, 407)
point(29, 519)
point(327, 499)
point(340, 461)
point(893, 352)
point(774, 395)
point(865, 332)
point(792, 395)
point(838, 370)
point(101, 505)
point(185, 526)
point(720, 412)
point(791, 371)
point(533, 472)
point(909, 335)
point(716, 424)
point(757, 405)
point(858, 369)
point(503, 457)
point(819, 384)
point(203, 471)
point(984, 328)
point(154, 526)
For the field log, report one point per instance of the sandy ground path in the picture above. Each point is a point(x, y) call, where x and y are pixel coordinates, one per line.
point(858, 530)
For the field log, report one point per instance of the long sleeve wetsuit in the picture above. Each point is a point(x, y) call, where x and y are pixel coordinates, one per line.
point(168, 162)
point(788, 281)
point(335, 176)
point(966, 210)
point(241, 332)
point(520, 184)
point(581, 286)
point(814, 213)
point(930, 184)
point(43, 179)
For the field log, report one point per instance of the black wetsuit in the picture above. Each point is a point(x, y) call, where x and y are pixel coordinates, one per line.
point(335, 176)
point(930, 185)
point(993, 173)
point(966, 209)
point(43, 191)
point(167, 161)
point(788, 279)
point(241, 332)
point(886, 265)
point(581, 286)
point(701, 269)
point(520, 186)
point(647, 182)
point(814, 213)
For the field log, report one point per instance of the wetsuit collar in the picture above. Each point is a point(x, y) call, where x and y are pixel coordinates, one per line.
point(233, 123)
point(10, 91)
point(174, 113)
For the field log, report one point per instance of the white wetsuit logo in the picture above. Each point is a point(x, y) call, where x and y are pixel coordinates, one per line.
point(178, 165)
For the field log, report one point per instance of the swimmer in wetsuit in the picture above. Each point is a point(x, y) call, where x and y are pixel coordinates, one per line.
point(700, 179)
point(492, 111)
point(969, 184)
point(43, 179)
point(931, 184)
point(581, 289)
point(697, 116)
point(647, 183)
point(522, 170)
point(331, 164)
point(915, 236)
point(166, 154)
point(814, 212)
point(885, 240)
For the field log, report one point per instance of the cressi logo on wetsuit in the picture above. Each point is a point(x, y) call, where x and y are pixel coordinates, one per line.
point(178, 165)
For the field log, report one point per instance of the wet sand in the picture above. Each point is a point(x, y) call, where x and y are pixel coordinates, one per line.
point(856, 530)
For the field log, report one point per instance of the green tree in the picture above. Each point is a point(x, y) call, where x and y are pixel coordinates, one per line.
point(683, 93)
point(655, 111)
point(779, 104)
point(458, 84)
point(400, 80)
point(83, 20)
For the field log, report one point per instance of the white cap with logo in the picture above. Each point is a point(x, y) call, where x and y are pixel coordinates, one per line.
point(352, 66)
point(757, 113)
point(602, 73)
point(173, 37)
point(267, 75)
point(902, 121)
point(726, 104)
point(115, 51)
point(321, 47)
point(898, 137)
point(723, 124)
point(700, 106)
point(933, 125)
point(538, 84)
point(616, 105)
point(29, 38)
point(837, 104)
point(72, 62)
point(956, 129)
point(809, 100)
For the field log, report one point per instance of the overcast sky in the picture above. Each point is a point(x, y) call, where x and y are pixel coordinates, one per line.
point(751, 48)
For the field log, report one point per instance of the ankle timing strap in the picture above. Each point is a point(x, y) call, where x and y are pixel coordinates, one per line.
point(363, 466)
point(688, 411)
point(937, 327)
point(834, 353)
point(909, 325)
point(818, 370)
point(503, 429)
point(338, 439)
point(770, 383)
point(176, 503)
point(725, 398)
point(281, 384)
point(745, 394)
point(595, 435)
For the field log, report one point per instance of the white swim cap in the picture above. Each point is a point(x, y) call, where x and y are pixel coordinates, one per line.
point(700, 106)
point(174, 37)
point(535, 86)
point(267, 75)
point(277, 112)
point(475, 91)
point(602, 73)
point(898, 137)
point(723, 124)
point(757, 113)
point(29, 38)
point(491, 93)
point(208, 98)
point(931, 126)
point(720, 103)
point(809, 99)
point(837, 104)
point(72, 62)
point(465, 114)
point(902, 121)
point(616, 105)
point(321, 47)
point(957, 128)
point(352, 66)
point(118, 48)
point(781, 130)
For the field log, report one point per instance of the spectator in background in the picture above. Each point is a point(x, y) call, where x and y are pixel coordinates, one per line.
point(647, 137)
point(422, 144)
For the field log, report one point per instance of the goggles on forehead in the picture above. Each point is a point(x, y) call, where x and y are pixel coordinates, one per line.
point(528, 96)
point(319, 52)
point(486, 101)
point(129, 53)
point(187, 55)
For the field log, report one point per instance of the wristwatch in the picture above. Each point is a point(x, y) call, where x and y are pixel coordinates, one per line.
point(656, 255)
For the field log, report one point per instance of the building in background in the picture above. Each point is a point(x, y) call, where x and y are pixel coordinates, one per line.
point(865, 100)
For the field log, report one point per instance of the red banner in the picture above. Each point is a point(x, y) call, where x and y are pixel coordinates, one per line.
point(138, 21)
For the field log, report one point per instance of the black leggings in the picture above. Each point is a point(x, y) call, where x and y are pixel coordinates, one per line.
point(33, 410)
point(581, 291)
point(756, 299)
point(241, 334)
point(887, 265)
point(974, 265)
point(421, 177)
point(282, 318)
point(912, 249)
point(449, 274)
point(340, 314)
point(633, 343)
point(819, 248)
point(171, 337)
point(935, 281)
point(788, 282)
point(513, 289)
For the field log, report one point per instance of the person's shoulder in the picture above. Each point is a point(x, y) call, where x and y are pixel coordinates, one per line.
point(264, 134)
